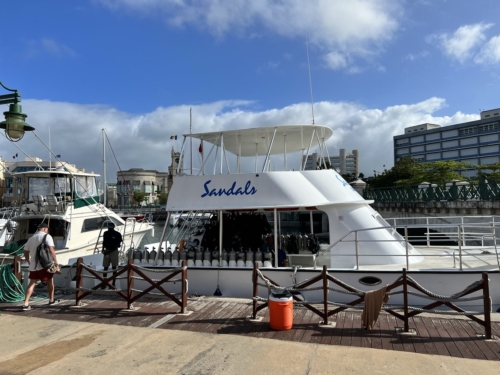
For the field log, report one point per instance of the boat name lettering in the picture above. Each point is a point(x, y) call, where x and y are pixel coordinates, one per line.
point(247, 190)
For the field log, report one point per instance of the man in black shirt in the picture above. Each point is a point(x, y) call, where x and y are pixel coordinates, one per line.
point(110, 245)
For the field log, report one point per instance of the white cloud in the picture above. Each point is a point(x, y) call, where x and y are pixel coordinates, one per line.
point(464, 42)
point(490, 52)
point(359, 28)
point(143, 141)
point(336, 60)
point(47, 46)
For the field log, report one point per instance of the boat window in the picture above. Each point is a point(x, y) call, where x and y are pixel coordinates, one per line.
point(57, 228)
point(85, 186)
point(62, 186)
point(39, 186)
point(96, 223)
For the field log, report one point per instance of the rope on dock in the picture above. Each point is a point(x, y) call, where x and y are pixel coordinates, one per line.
point(11, 290)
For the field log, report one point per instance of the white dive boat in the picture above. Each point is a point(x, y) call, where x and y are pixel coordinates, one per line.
point(360, 248)
point(68, 203)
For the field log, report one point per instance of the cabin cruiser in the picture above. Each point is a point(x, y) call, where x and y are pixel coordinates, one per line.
point(247, 195)
point(68, 202)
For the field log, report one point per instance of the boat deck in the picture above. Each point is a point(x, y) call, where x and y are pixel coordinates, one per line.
point(434, 258)
point(437, 335)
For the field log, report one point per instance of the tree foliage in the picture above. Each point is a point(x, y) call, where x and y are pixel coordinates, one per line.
point(138, 196)
point(407, 171)
point(162, 198)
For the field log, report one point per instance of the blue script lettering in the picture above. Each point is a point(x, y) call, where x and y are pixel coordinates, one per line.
point(247, 190)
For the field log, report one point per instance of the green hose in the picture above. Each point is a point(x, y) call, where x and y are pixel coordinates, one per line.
point(11, 290)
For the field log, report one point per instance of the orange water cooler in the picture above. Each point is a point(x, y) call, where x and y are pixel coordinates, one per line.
point(281, 310)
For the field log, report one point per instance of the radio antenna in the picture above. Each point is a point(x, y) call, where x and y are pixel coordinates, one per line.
point(310, 79)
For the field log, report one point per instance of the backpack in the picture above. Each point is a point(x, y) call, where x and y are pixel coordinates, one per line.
point(43, 254)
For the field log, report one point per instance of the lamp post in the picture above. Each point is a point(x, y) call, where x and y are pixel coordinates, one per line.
point(14, 124)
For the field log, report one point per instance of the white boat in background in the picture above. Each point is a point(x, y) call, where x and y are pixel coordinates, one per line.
point(362, 249)
point(68, 203)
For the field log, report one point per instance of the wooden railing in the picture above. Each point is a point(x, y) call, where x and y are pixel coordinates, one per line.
point(131, 270)
point(404, 281)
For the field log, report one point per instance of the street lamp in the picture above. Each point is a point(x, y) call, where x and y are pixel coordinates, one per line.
point(14, 124)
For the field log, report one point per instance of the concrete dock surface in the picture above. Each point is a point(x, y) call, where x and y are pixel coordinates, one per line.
point(31, 345)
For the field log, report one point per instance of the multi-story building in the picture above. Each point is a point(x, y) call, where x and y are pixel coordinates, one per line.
point(475, 142)
point(150, 182)
point(345, 163)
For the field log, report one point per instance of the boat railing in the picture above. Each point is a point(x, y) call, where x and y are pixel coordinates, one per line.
point(469, 239)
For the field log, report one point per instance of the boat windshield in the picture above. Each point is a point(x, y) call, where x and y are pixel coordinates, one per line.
point(48, 186)
point(85, 186)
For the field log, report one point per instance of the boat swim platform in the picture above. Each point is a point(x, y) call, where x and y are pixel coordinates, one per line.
point(451, 336)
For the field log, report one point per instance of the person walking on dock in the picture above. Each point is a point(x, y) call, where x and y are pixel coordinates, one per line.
point(110, 245)
point(37, 272)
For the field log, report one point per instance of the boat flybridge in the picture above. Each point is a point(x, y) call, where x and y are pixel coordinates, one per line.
point(69, 203)
point(294, 189)
point(249, 184)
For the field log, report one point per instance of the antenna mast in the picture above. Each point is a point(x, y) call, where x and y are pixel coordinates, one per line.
point(105, 188)
point(310, 79)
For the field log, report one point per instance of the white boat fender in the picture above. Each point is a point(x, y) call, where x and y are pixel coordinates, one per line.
point(232, 256)
point(175, 257)
point(183, 255)
point(258, 256)
point(224, 256)
point(199, 256)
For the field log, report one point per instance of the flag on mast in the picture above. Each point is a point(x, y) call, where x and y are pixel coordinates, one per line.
point(200, 149)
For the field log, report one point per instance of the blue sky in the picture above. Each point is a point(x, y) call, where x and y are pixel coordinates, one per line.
point(135, 67)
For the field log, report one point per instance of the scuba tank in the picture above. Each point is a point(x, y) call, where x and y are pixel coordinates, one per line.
point(145, 256)
point(198, 258)
point(137, 256)
point(207, 258)
point(240, 258)
point(161, 258)
point(215, 258)
point(249, 257)
point(224, 258)
point(152, 256)
point(175, 257)
point(232, 258)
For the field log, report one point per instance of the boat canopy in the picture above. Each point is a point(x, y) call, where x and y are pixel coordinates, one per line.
point(256, 141)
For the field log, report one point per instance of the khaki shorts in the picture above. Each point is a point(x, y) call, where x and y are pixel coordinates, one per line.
point(110, 259)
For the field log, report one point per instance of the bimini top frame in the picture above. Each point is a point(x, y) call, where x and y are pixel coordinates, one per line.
point(265, 141)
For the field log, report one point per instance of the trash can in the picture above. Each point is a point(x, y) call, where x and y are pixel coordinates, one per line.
point(281, 310)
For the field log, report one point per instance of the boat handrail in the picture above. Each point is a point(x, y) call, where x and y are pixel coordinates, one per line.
point(461, 235)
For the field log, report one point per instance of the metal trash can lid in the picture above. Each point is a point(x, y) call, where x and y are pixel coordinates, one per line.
point(280, 293)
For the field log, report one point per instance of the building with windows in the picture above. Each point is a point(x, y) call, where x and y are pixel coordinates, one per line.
point(475, 142)
point(345, 163)
point(11, 187)
point(150, 182)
